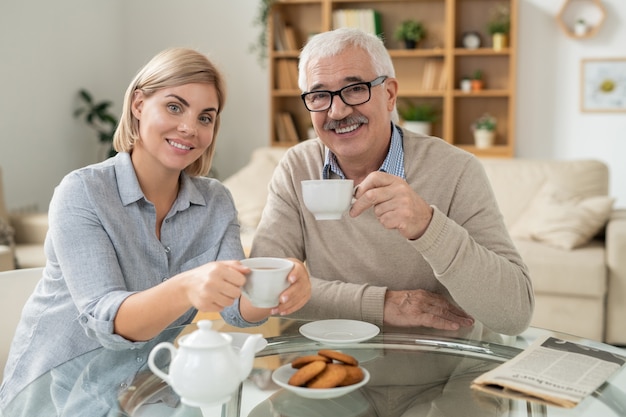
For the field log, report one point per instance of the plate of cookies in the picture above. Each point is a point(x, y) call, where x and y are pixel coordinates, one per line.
point(326, 374)
point(339, 331)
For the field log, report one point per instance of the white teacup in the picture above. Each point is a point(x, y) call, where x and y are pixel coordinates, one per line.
point(266, 281)
point(327, 199)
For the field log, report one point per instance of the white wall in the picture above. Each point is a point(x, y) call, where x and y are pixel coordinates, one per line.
point(549, 121)
point(49, 50)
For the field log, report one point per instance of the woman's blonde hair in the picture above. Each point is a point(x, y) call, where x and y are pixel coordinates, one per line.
point(170, 68)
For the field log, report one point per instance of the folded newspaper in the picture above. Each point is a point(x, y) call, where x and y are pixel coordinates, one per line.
point(551, 371)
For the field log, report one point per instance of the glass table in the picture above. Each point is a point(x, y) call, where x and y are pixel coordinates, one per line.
point(414, 372)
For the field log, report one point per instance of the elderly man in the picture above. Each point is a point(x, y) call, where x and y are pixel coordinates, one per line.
point(424, 243)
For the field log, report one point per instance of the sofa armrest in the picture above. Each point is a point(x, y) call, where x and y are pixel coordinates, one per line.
point(30, 228)
point(6, 258)
point(616, 263)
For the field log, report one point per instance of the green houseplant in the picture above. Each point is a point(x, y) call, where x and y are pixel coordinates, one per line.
point(418, 112)
point(261, 19)
point(98, 116)
point(499, 25)
point(484, 129)
point(411, 32)
point(418, 117)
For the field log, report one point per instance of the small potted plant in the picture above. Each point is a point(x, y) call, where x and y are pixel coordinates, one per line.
point(499, 25)
point(580, 27)
point(484, 129)
point(410, 32)
point(466, 84)
point(477, 80)
point(418, 118)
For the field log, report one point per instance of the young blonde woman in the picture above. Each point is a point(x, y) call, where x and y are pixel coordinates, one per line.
point(141, 241)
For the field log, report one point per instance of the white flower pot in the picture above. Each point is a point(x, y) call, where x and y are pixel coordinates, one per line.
point(484, 138)
point(418, 127)
point(580, 28)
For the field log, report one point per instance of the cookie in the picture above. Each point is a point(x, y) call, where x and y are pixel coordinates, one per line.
point(306, 373)
point(354, 374)
point(330, 377)
point(339, 356)
point(303, 360)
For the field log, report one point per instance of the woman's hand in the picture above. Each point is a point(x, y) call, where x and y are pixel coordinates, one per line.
point(215, 285)
point(292, 299)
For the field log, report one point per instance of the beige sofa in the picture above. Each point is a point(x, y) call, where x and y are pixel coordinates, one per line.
point(29, 233)
point(547, 206)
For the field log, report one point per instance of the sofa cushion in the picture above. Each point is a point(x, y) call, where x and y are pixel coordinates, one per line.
point(561, 218)
point(248, 186)
point(516, 181)
point(556, 271)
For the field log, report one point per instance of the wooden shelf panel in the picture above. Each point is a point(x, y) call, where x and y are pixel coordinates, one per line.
point(445, 21)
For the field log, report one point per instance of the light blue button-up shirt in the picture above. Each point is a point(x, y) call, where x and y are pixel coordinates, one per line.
point(393, 163)
point(101, 247)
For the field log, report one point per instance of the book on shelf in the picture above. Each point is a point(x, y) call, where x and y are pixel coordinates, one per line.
point(551, 371)
point(285, 38)
point(286, 74)
point(433, 76)
point(285, 128)
point(366, 19)
point(291, 41)
point(280, 43)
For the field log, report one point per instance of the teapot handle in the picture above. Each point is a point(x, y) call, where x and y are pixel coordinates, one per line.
point(158, 372)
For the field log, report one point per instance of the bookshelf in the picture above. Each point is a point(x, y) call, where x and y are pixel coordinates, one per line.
point(430, 74)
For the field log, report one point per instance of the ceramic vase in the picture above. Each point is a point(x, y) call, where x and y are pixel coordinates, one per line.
point(484, 138)
point(418, 127)
point(500, 41)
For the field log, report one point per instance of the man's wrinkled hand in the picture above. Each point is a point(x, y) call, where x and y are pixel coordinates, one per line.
point(415, 308)
point(395, 204)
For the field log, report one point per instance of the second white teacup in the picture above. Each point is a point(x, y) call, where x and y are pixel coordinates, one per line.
point(327, 199)
point(266, 281)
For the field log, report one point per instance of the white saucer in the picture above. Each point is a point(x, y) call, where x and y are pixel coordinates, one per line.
point(338, 331)
point(281, 375)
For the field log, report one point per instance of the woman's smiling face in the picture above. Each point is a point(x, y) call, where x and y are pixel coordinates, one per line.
point(176, 124)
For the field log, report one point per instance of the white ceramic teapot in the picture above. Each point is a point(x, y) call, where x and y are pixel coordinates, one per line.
point(206, 369)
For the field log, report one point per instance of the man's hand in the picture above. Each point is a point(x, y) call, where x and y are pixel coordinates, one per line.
point(395, 204)
point(414, 308)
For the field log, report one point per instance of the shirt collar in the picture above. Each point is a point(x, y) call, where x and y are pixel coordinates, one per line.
point(130, 190)
point(393, 163)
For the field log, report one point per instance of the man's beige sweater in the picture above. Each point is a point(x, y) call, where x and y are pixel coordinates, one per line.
point(466, 252)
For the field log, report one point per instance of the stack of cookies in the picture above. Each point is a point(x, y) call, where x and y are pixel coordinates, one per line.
point(327, 369)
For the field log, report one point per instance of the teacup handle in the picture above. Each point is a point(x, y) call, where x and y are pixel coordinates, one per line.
point(158, 372)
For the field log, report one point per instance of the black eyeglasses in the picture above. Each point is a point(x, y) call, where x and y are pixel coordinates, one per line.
point(352, 95)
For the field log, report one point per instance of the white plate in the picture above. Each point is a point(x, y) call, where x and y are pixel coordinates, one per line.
point(281, 377)
point(339, 331)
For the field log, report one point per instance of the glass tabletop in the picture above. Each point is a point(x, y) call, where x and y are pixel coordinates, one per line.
point(413, 372)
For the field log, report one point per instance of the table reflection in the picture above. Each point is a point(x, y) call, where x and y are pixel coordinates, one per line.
point(90, 385)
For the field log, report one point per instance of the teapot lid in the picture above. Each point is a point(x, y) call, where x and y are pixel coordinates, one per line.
point(205, 336)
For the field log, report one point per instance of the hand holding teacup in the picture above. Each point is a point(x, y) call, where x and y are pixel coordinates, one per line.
point(281, 285)
point(395, 204)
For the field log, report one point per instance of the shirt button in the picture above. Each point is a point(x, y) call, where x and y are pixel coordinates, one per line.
point(164, 279)
point(167, 249)
point(83, 319)
point(123, 385)
point(167, 220)
point(139, 359)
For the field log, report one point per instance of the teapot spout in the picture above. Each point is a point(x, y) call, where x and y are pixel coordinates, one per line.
point(246, 355)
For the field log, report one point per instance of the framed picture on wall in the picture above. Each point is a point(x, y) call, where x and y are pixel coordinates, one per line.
point(603, 85)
